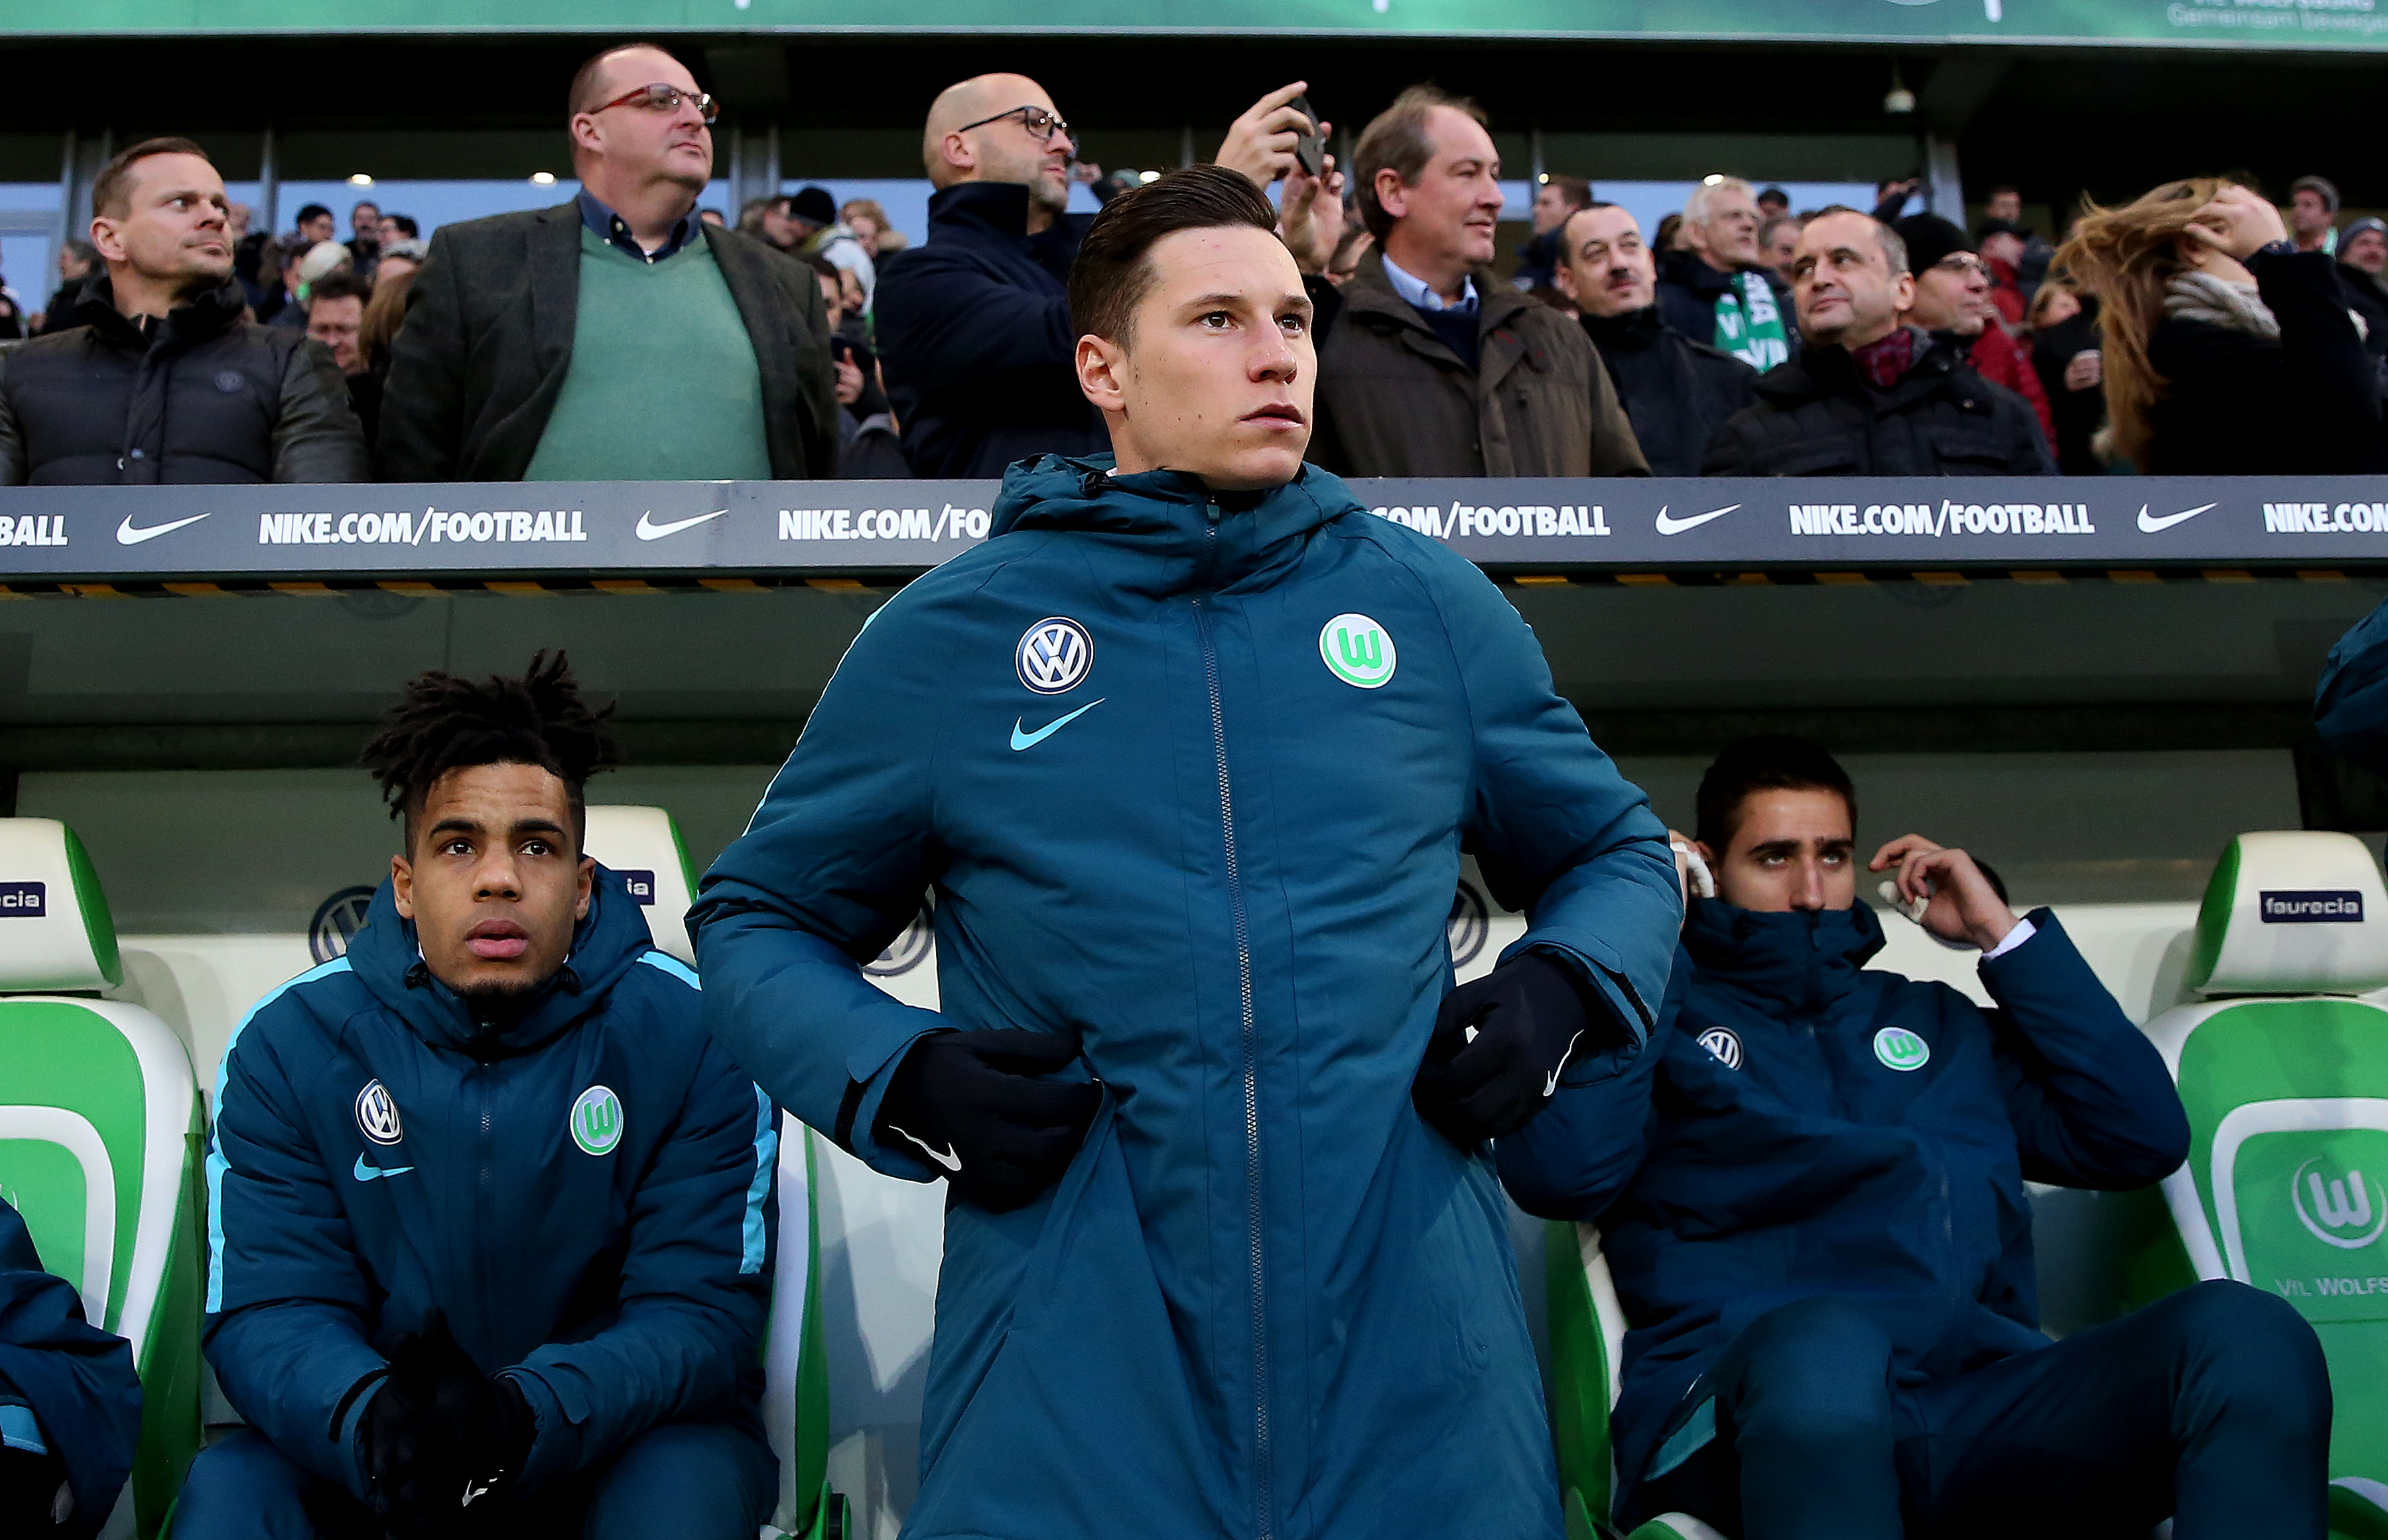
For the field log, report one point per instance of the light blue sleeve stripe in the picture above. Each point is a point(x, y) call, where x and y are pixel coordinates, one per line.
point(217, 1165)
point(666, 963)
point(18, 1431)
point(766, 1154)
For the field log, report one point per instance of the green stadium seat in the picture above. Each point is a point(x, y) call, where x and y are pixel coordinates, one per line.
point(2284, 1074)
point(643, 844)
point(100, 1133)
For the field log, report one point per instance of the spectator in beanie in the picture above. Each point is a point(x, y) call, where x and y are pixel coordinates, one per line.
point(2313, 206)
point(1869, 396)
point(318, 262)
point(162, 379)
point(2226, 350)
point(1953, 298)
point(615, 337)
point(1675, 391)
point(2001, 245)
point(1556, 199)
point(2006, 205)
point(2362, 253)
point(1719, 290)
point(826, 236)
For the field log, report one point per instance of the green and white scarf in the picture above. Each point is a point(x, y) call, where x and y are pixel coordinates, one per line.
point(1749, 324)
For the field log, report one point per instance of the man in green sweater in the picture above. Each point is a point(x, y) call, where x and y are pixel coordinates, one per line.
point(617, 337)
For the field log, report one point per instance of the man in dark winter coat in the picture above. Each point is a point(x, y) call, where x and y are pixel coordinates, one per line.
point(1676, 391)
point(160, 379)
point(1868, 397)
point(1428, 366)
point(1952, 295)
point(2362, 256)
point(1224, 1250)
point(1719, 290)
point(69, 1402)
point(492, 1216)
point(1822, 1239)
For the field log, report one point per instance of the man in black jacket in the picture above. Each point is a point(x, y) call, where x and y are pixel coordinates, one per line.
point(1718, 289)
point(2362, 256)
point(1675, 391)
point(1868, 397)
point(974, 324)
point(617, 337)
point(161, 380)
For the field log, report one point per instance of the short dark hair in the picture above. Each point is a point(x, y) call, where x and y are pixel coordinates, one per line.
point(1769, 762)
point(406, 225)
point(579, 96)
point(1574, 191)
point(111, 191)
point(1112, 274)
point(2002, 187)
point(311, 211)
point(446, 722)
point(1395, 140)
point(363, 203)
point(338, 284)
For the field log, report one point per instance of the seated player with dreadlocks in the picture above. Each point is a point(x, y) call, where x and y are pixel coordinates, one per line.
point(491, 1213)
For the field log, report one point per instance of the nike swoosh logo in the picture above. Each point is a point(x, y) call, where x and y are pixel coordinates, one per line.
point(126, 535)
point(1029, 741)
point(949, 1160)
point(650, 530)
point(1551, 1086)
point(366, 1173)
point(2151, 527)
point(1676, 527)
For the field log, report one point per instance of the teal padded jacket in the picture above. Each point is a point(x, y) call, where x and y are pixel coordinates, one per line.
point(1189, 776)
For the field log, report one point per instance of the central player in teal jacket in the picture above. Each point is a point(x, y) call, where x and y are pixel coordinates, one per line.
point(1187, 754)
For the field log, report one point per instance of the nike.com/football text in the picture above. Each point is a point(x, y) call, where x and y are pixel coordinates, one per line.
point(403, 529)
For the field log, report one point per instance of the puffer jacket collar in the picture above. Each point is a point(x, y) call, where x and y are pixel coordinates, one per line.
point(387, 959)
point(1825, 370)
point(1192, 537)
point(1807, 959)
point(205, 315)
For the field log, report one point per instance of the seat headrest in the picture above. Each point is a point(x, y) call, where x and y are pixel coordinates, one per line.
point(643, 845)
point(56, 932)
point(2293, 911)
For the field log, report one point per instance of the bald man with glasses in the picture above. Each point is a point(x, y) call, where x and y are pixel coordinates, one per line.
point(619, 337)
point(974, 324)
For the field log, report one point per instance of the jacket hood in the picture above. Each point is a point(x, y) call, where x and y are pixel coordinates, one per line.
point(387, 958)
point(203, 316)
point(1805, 959)
point(1201, 539)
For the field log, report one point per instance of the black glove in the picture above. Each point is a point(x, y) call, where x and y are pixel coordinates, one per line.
point(969, 1104)
point(30, 1487)
point(1527, 1015)
point(443, 1442)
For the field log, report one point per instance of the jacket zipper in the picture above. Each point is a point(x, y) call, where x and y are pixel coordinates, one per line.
point(1265, 1501)
point(483, 1202)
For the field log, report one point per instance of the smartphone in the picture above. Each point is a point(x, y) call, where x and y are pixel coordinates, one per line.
point(1309, 149)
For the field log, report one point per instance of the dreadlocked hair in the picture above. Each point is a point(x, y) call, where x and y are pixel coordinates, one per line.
point(448, 722)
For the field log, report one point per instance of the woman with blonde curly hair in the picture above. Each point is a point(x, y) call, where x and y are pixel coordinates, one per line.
point(2226, 352)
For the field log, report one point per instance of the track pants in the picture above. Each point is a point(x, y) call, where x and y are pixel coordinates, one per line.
point(685, 1480)
point(2211, 1406)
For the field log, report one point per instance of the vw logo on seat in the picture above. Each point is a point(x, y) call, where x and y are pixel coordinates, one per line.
point(1054, 654)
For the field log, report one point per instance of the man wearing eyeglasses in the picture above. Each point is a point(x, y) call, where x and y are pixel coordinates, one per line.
point(1952, 295)
point(974, 324)
point(619, 337)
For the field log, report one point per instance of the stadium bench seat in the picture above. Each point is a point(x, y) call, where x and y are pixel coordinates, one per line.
point(2284, 1075)
point(643, 845)
point(100, 1131)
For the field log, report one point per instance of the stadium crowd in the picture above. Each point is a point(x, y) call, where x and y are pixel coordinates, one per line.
point(491, 1199)
point(632, 334)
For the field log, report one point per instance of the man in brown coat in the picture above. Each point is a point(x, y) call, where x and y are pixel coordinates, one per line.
point(1432, 367)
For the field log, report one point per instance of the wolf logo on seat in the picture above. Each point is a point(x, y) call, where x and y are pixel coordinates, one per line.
point(2331, 1208)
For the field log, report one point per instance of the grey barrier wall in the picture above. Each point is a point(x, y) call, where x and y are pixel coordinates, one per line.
point(659, 528)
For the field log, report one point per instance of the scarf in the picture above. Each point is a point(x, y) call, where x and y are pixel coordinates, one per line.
point(2218, 302)
point(1748, 323)
point(1886, 360)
